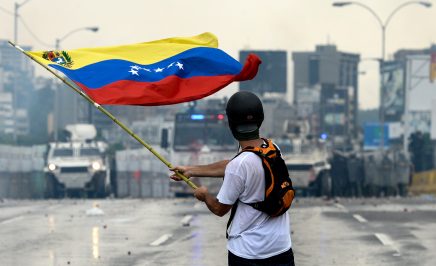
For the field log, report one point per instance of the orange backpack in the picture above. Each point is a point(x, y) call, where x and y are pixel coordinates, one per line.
point(279, 192)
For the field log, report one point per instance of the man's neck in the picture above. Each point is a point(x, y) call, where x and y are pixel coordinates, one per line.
point(251, 143)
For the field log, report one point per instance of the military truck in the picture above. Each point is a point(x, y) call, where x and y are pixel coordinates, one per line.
point(77, 167)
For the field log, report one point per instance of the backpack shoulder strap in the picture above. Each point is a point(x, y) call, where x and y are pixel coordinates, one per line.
point(232, 215)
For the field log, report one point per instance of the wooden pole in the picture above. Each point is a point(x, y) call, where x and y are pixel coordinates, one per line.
point(107, 113)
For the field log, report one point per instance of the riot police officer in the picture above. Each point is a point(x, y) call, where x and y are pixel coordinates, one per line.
point(371, 181)
point(387, 170)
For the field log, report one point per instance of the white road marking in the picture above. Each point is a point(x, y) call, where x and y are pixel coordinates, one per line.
point(186, 220)
point(161, 240)
point(384, 239)
point(341, 207)
point(360, 218)
point(387, 241)
point(94, 211)
point(8, 221)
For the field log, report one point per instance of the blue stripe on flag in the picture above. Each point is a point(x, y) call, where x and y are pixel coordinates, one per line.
point(202, 61)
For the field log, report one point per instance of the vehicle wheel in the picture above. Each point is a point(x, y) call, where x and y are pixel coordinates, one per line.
point(322, 185)
point(51, 187)
point(325, 185)
point(100, 186)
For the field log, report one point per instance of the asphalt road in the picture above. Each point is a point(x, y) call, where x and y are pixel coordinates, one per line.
point(183, 232)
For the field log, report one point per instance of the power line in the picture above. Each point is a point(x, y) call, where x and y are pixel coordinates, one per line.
point(33, 34)
point(6, 11)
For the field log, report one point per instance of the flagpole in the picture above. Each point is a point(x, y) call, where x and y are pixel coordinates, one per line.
point(107, 113)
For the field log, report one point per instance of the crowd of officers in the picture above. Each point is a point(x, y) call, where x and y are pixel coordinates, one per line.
point(370, 174)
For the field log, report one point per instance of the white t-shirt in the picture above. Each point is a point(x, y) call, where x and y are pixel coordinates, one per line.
point(252, 234)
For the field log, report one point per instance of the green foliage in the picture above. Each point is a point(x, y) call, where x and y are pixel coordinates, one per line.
point(66, 55)
point(68, 59)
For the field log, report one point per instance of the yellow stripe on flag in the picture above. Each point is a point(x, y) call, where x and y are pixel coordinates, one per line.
point(141, 53)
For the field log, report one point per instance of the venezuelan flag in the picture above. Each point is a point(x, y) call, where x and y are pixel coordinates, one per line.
point(160, 72)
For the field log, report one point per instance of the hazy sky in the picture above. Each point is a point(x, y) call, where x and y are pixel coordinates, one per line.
point(291, 25)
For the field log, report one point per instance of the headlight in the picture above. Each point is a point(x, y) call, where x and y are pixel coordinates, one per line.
point(51, 166)
point(96, 166)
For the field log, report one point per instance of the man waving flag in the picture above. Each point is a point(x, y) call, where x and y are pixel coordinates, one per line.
point(160, 72)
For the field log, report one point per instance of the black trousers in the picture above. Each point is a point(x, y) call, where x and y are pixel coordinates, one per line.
point(283, 259)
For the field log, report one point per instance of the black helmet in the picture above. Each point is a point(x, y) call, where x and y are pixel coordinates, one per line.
point(245, 114)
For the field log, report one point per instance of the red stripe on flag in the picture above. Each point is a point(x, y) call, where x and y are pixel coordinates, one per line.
point(250, 68)
point(170, 90)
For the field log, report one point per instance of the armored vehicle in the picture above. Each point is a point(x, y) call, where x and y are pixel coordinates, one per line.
point(78, 166)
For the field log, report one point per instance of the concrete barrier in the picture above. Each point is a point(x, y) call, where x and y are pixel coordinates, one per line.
point(423, 183)
point(21, 171)
point(140, 174)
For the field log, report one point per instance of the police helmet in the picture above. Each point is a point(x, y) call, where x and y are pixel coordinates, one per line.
point(245, 115)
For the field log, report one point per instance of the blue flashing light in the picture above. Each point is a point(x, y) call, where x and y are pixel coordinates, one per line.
point(324, 136)
point(197, 117)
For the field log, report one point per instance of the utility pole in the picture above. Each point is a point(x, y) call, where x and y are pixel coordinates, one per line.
point(15, 85)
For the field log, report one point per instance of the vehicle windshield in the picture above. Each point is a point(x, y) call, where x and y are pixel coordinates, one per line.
point(192, 134)
point(89, 152)
point(63, 152)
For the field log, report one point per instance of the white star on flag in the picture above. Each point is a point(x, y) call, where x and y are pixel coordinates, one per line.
point(180, 65)
point(134, 72)
point(170, 65)
point(135, 67)
point(158, 70)
point(146, 69)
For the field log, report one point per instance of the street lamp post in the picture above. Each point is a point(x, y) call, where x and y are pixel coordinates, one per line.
point(16, 15)
point(59, 40)
point(56, 105)
point(383, 27)
point(15, 85)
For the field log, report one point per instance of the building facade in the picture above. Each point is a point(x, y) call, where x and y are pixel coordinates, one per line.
point(16, 78)
point(326, 67)
point(272, 74)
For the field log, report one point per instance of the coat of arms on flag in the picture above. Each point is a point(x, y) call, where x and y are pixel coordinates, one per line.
point(59, 57)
